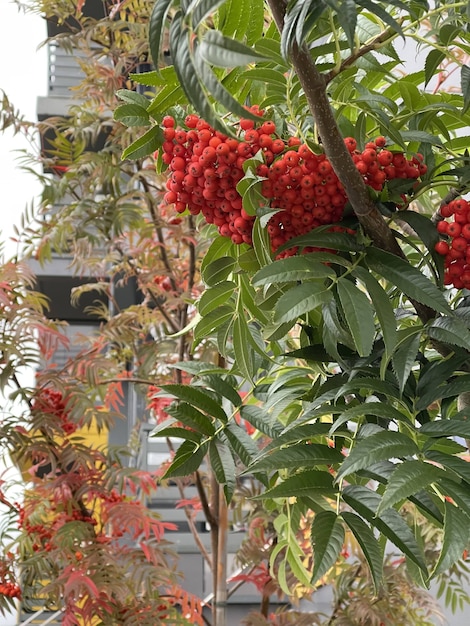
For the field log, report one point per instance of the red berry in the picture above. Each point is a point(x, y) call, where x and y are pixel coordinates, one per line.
point(442, 247)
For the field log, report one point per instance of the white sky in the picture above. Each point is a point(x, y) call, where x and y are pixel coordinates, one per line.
point(23, 77)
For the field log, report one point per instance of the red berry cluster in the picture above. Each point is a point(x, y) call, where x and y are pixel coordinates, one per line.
point(457, 249)
point(206, 166)
point(9, 589)
point(51, 402)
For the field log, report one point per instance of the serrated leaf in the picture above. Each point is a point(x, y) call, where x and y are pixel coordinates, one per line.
point(211, 322)
point(327, 535)
point(365, 502)
point(133, 97)
point(369, 545)
point(456, 538)
point(407, 278)
point(347, 17)
point(465, 85)
point(261, 420)
point(380, 446)
point(306, 483)
point(358, 314)
point(450, 330)
point(301, 299)
point(404, 358)
point(215, 296)
point(383, 308)
point(446, 428)
point(223, 467)
point(432, 62)
point(456, 464)
point(145, 145)
point(241, 443)
point(223, 51)
point(455, 387)
point(422, 225)
point(293, 268)
point(243, 350)
point(202, 9)
point(318, 238)
point(187, 459)
point(217, 89)
point(178, 432)
point(223, 388)
point(198, 398)
point(295, 457)
point(266, 75)
point(409, 478)
point(378, 409)
point(191, 417)
point(459, 492)
point(156, 25)
point(218, 270)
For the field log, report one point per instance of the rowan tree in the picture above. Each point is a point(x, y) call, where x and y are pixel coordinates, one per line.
point(276, 188)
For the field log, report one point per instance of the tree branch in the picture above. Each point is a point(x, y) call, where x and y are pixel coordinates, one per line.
point(368, 215)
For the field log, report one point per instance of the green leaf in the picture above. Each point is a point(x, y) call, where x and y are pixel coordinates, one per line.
point(450, 330)
point(318, 238)
point(347, 18)
point(383, 308)
point(447, 428)
point(382, 13)
point(211, 322)
point(223, 51)
point(156, 25)
point(365, 502)
point(202, 10)
point(241, 443)
point(145, 145)
point(223, 467)
point(293, 268)
point(433, 60)
point(215, 296)
point(266, 75)
point(358, 314)
point(459, 492)
point(242, 348)
point(198, 398)
point(301, 299)
point(459, 385)
point(295, 457)
point(407, 278)
point(327, 536)
point(369, 545)
point(223, 388)
point(132, 97)
point(188, 458)
point(178, 432)
point(191, 417)
point(380, 446)
point(261, 420)
point(456, 464)
point(422, 225)
point(465, 85)
point(404, 358)
point(409, 478)
point(308, 483)
point(456, 538)
point(217, 90)
point(218, 270)
point(379, 409)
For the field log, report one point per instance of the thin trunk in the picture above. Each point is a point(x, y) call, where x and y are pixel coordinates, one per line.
point(220, 598)
point(215, 529)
